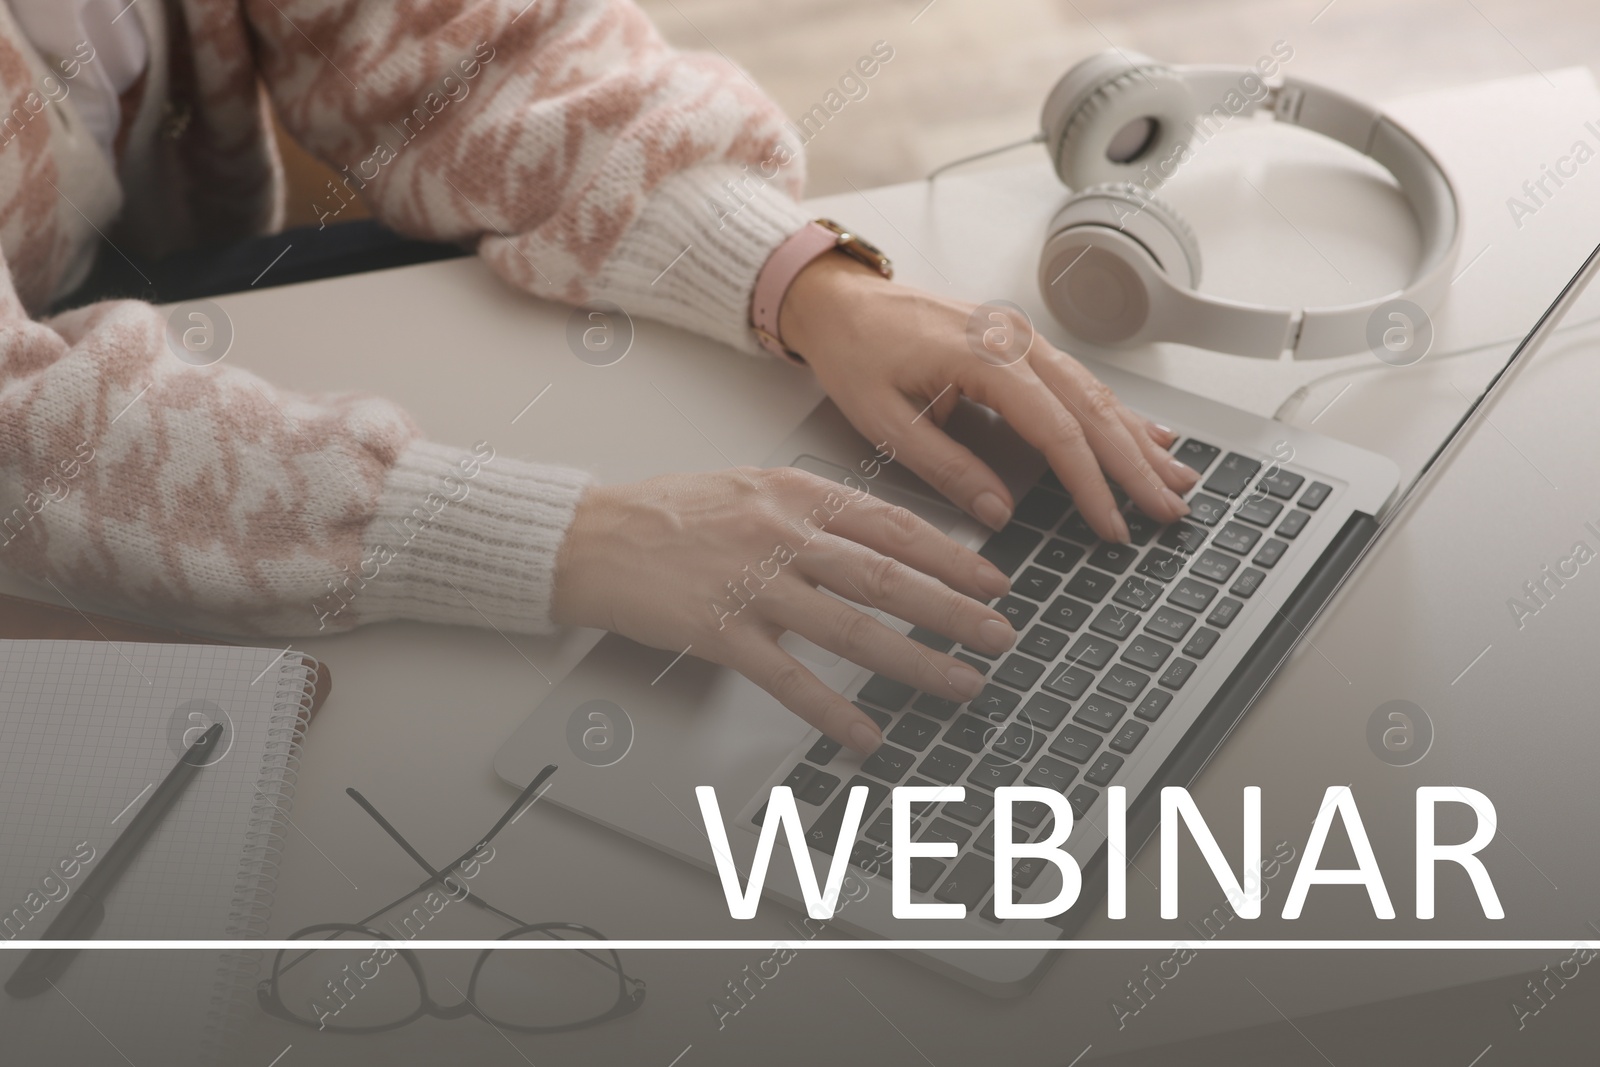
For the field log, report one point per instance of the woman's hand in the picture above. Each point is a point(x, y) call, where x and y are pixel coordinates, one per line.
point(896, 360)
point(726, 562)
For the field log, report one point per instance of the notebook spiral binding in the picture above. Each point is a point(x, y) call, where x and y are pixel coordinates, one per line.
point(256, 886)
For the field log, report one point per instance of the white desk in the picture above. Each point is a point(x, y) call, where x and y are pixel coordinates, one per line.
point(417, 711)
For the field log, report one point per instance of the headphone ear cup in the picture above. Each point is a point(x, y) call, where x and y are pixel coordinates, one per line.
point(1110, 255)
point(1114, 115)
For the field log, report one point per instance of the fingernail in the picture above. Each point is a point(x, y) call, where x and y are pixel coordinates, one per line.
point(991, 510)
point(865, 739)
point(1165, 431)
point(1119, 528)
point(997, 636)
point(1184, 471)
point(1175, 502)
point(967, 682)
point(992, 580)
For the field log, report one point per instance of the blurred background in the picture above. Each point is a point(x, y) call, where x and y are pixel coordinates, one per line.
point(970, 74)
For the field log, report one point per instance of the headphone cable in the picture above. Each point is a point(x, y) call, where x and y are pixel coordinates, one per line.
point(985, 154)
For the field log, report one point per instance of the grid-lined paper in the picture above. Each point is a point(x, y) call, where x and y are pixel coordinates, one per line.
point(87, 730)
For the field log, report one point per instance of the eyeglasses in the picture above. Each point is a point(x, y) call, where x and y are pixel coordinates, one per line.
point(368, 984)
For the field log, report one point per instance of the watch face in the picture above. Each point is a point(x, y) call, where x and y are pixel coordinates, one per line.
point(858, 247)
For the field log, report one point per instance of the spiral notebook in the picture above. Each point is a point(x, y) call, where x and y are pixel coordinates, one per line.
point(87, 729)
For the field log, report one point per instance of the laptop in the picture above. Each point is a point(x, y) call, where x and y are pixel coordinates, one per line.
point(1132, 666)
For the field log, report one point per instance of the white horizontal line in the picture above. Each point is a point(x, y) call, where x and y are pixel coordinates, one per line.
point(755, 945)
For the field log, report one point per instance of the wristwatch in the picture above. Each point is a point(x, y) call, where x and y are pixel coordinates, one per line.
point(785, 264)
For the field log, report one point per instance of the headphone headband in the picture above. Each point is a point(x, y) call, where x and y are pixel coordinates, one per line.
point(1086, 121)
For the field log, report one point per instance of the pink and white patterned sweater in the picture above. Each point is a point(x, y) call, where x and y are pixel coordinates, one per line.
point(580, 163)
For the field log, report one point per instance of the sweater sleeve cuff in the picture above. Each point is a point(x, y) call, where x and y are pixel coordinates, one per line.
point(692, 256)
point(468, 537)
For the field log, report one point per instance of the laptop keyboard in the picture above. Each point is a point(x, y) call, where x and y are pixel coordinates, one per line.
point(1108, 637)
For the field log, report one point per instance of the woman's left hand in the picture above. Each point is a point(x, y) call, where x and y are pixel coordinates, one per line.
point(896, 360)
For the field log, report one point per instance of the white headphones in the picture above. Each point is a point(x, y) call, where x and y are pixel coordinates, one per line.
point(1119, 267)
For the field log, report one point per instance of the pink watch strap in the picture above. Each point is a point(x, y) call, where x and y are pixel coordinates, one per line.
point(779, 272)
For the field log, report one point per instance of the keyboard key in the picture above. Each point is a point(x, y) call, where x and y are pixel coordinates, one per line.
point(1271, 552)
point(1091, 585)
point(967, 884)
point(1019, 672)
point(1051, 773)
point(1100, 712)
point(980, 665)
point(994, 703)
point(1141, 527)
point(938, 707)
point(1214, 566)
point(799, 777)
point(1153, 704)
point(1036, 583)
point(987, 913)
point(945, 830)
point(1043, 642)
point(882, 828)
point(1076, 528)
point(1069, 681)
point(1196, 455)
point(1203, 641)
point(1065, 613)
point(937, 642)
point(973, 810)
point(1016, 610)
point(985, 843)
point(1233, 475)
point(823, 834)
point(1207, 510)
point(888, 763)
point(944, 765)
point(1281, 483)
point(1170, 623)
point(1226, 611)
point(1027, 871)
point(1008, 548)
point(1104, 769)
point(1059, 555)
point(886, 693)
point(1236, 537)
point(992, 772)
point(1030, 813)
point(1124, 683)
point(970, 733)
point(1018, 742)
point(1075, 744)
point(1147, 652)
point(1160, 564)
point(1082, 799)
point(1042, 508)
point(1178, 672)
point(1113, 557)
point(1129, 736)
point(1249, 581)
point(1314, 495)
point(925, 871)
point(823, 751)
point(913, 732)
point(1092, 652)
point(1263, 511)
point(1292, 524)
point(1137, 593)
point(1114, 622)
point(1044, 711)
point(921, 807)
point(1183, 536)
point(1192, 594)
point(882, 718)
point(870, 856)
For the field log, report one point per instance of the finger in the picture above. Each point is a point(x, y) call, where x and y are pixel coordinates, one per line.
point(930, 454)
point(900, 534)
point(1179, 476)
point(788, 681)
point(858, 637)
point(1031, 409)
point(1100, 413)
point(885, 584)
point(1164, 436)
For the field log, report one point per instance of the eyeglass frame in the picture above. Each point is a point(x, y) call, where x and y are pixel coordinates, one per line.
point(630, 990)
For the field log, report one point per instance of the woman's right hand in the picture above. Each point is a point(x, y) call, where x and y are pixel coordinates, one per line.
point(726, 562)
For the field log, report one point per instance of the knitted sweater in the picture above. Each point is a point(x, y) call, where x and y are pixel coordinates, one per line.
point(580, 154)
